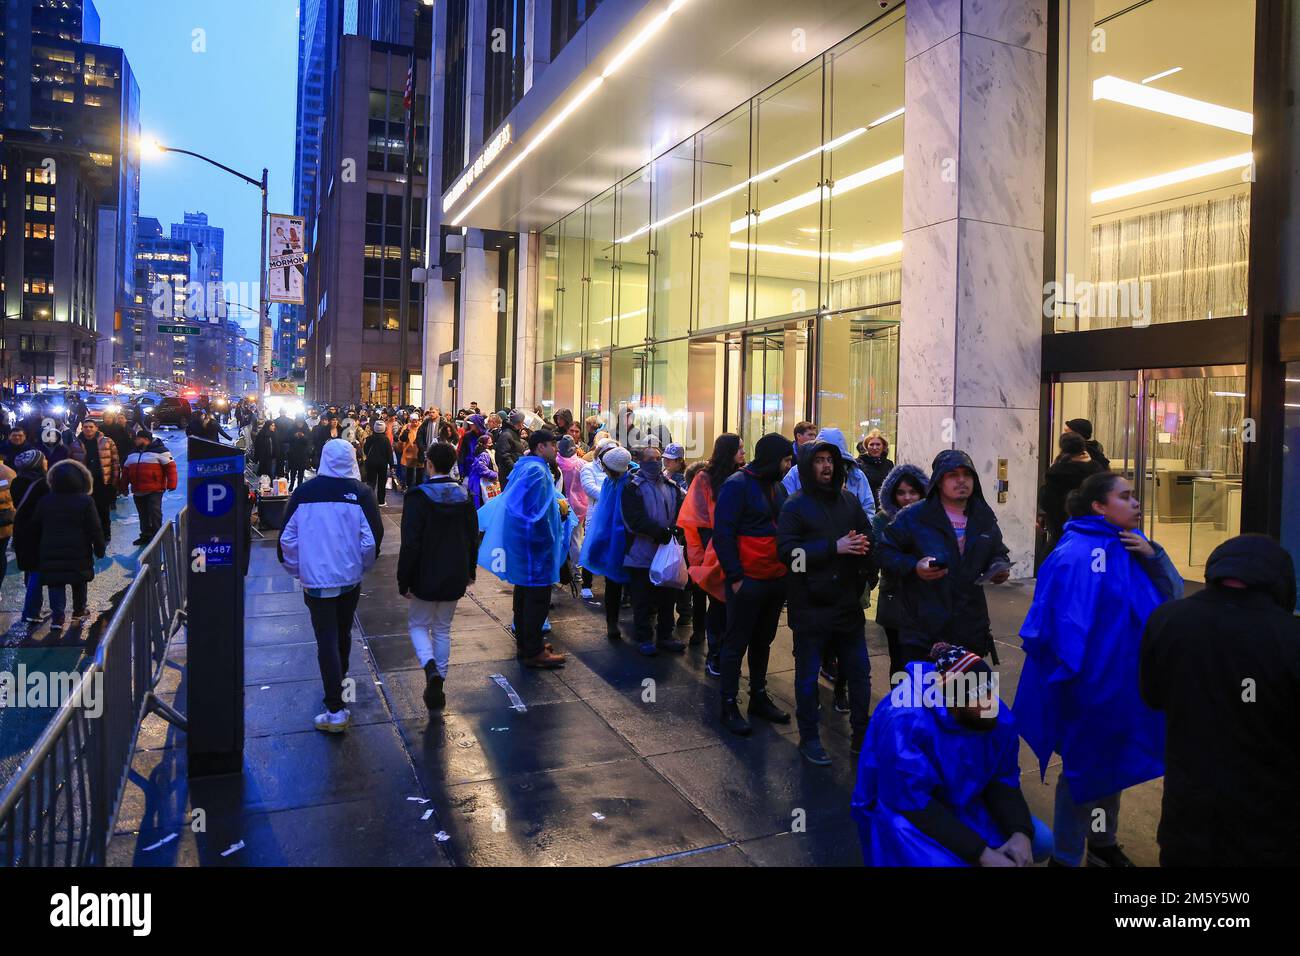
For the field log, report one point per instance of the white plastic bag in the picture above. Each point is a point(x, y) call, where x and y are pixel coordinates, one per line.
point(668, 567)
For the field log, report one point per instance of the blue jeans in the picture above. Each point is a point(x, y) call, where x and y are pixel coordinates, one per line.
point(850, 647)
point(32, 602)
point(1075, 825)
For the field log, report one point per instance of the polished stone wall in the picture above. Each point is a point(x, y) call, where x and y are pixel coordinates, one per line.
point(974, 145)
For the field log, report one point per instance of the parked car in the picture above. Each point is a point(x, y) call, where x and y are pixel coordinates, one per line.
point(171, 410)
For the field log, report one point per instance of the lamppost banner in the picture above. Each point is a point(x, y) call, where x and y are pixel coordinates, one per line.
point(285, 260)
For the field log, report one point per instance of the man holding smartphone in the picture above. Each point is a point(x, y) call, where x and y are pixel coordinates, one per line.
point(942, 549)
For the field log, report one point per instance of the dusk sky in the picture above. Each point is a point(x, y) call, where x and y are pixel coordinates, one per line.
point(234, 102)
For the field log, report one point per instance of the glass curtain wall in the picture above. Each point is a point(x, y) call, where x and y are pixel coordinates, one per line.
point(1155, 162)
point(750, 275)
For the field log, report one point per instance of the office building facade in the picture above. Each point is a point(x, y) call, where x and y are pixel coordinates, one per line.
point(962, 223)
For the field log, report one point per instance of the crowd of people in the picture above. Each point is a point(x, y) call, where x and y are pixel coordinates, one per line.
point(60, 480)
point(1122, 678)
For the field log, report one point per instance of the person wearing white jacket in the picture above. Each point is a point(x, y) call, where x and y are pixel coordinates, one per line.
point(331, 537)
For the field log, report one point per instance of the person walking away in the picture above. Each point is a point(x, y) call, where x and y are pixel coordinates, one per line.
point(509, 446)
point(299, 455)
point(526, 532)
point(1067, 473)
point(650, 505)
point(824, 537)
point(66, 523)
point(29, 487)
point(149, 472)
point(604, 546)
point(1083, 428)
point(435, 565)
point(378, 454)
point(7, 476)
point(326, 431)
point(744, 539)
point(904, 485)
point(940, 550)
point(331, 537)
point(1224, 667)
point(939, 779)
point(1078, 693)
point(105, 470)
point(874, 460)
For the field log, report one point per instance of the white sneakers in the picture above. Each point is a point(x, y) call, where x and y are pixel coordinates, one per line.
point(587, 595)
point(334, 722)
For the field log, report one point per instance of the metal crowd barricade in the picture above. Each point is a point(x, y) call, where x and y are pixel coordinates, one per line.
point(61, 806)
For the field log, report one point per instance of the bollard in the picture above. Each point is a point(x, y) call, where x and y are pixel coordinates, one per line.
point(215, 547)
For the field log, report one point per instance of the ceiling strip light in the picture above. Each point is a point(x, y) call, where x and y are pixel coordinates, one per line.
point(730, 190)
point(620, 58)
point(861, 255)
point(1171, 104)
point(861, 178)
point(1160, 76)
point(1172, 178)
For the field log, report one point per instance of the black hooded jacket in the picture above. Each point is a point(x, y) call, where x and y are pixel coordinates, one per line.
point(1224, 666)
point(1063, 477)
point(744, 518)
point(824, 587)
point(953, 608)
point(67, 525)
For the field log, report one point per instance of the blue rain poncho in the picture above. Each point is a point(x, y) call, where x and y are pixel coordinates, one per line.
point(525, 540)
point(914, 754)
point(605, 544)
point(1078, 693)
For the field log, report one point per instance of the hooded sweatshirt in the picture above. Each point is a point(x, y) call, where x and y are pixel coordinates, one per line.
point(824, 586)
point(953, 608)
point(337, 518)
point(1232, 758)
point(744, 518)
point(855, 481)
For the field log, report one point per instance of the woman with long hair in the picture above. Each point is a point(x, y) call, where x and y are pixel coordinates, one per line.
point(1078, 693)
point(696, 521)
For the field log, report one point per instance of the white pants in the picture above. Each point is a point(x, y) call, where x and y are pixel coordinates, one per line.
point(430, 626)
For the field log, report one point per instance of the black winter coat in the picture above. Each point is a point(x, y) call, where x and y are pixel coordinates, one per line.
point(1063, 477)
point(27, 494)
point(299, 451)
point(439, 549)
point(953, 608)
point(1224, 666)
point(509, 448)
point(876, 470)
point(824, 587)
point(378, 452)
point(68, 524)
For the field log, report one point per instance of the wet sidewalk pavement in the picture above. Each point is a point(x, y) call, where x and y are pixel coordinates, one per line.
point(617, 759)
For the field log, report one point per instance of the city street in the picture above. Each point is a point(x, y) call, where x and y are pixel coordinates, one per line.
point(38, 648)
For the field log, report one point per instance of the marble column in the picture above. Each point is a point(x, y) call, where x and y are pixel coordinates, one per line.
point(476, 380)
point(970, 337)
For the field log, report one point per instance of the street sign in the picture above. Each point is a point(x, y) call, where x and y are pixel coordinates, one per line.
point(180, 330)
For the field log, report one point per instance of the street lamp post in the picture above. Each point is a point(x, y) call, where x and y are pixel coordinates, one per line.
point(264, 312)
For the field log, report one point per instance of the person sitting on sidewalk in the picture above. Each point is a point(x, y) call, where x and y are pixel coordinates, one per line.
point(939, 777)
point(436, 563)
point(331, 537)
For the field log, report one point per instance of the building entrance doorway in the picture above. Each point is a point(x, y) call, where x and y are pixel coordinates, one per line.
point(1177, 434)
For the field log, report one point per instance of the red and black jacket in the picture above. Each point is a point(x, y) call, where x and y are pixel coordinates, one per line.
point(744, 527)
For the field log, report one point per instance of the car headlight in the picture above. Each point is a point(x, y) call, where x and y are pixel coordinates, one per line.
point(113, 408)
point(26, 409)
point(59, 409)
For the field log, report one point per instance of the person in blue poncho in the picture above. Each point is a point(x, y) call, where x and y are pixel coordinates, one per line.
point(526, 532)
point(1078, 694)
point(604, 544)
point(938, 779)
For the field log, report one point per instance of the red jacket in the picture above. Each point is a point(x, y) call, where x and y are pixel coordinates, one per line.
point(153, 469)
